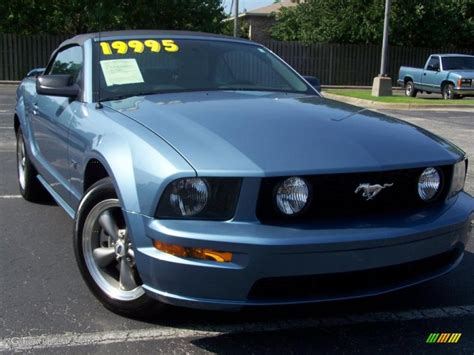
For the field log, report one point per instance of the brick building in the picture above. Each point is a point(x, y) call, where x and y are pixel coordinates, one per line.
point(259, 21)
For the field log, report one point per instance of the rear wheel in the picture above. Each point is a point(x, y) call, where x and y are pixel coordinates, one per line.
point(105, 254)
point(410, 89)
point(30, 188)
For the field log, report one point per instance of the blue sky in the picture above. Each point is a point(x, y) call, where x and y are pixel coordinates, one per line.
point(247, 4)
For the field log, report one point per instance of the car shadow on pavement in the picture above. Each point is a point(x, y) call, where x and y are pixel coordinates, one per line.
point(373, 338)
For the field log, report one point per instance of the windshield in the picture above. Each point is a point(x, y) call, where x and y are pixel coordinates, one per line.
point(158, 65)
point(451, 63)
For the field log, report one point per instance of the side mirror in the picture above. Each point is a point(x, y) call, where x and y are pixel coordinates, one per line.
point(56, 85)
point(314, 82)
point(35, 72)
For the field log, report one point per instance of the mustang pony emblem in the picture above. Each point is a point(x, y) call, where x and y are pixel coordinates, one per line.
point(370, 191)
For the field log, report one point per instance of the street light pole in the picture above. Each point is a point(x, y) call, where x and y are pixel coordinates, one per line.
point(382, 85)
point(383, 64)
point(236, 19)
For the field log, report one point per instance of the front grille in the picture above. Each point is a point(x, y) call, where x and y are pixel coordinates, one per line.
point(333, 195)
point(347, 284)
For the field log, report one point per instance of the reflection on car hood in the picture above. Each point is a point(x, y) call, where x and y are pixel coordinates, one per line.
point(265, 134)
point(465, 73)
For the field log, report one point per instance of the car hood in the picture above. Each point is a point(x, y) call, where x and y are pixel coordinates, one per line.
point(263, 134)
point(464, 73)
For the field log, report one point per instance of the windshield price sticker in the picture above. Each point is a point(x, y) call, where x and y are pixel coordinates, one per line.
point(138, 46)
point(121, 71)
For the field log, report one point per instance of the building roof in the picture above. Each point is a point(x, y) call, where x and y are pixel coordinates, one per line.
point(270, 9)
point(267, 10)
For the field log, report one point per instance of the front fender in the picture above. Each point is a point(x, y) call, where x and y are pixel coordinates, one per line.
point(139, 162)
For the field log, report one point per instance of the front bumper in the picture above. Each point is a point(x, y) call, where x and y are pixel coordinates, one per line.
point(312, 260)
point(464, 90)
point(458, 90)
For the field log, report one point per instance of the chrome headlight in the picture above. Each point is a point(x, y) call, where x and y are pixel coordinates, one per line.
point(459, 177)
point(199, 198)
point(188, 196)
point(292, 195)
point(429, 184)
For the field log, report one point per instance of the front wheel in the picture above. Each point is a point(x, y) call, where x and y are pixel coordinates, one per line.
point(410, 90)
point(105, 254)
point(448, 92)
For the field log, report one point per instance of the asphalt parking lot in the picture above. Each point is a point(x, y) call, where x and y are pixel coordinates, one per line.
point(46, 307)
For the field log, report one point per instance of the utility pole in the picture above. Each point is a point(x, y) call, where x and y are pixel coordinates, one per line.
point(236, 18)
point(382, 85)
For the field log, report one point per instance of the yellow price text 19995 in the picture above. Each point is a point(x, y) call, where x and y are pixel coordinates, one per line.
point(138, 46)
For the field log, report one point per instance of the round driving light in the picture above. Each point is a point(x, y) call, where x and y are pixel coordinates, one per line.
point(189, 196)
point(292, 195)
point(429, 184)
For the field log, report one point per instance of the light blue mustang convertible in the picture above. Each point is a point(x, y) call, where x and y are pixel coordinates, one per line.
point(203, 171)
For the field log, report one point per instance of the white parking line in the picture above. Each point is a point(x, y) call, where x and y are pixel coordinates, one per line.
point(49, 341)
point(6, 197)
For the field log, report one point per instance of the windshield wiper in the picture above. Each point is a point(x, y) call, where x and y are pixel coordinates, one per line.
point(230, 88)
point(126, 96)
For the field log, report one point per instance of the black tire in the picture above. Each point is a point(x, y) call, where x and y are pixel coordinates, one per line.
point(139, 306)
point(410, 90)
point(30, 188)
point(448, 92)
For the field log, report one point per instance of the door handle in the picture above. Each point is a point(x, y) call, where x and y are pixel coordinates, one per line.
point(424, 73)
point(35, 109)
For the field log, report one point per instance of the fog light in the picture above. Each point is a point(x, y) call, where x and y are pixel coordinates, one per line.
point(429, 184)
point(292, 195)
point(194, 253)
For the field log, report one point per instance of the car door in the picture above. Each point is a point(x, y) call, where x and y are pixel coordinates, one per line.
point(51, 118)
point(432, 75)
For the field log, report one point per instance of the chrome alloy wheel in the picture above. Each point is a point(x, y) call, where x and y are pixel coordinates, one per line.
point(449, 92)
point(21, 161)
point(408, 89)
point(108, 252)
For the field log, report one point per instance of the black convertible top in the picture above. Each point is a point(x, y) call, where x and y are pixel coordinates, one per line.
point(80, 39)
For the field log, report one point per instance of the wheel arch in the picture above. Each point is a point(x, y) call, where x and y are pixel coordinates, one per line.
point(96, 168)
point(93, 172)
point(113, 163)
point(407, 78)
point(446, 82)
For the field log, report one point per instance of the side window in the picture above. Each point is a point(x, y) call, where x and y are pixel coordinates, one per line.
point(433, 64)
point(68, 61)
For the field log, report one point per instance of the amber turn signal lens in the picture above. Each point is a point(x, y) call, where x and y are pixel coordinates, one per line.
point(194, 253)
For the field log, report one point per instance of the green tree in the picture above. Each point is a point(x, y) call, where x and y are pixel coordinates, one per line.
point(413, 22)
point(80, 16)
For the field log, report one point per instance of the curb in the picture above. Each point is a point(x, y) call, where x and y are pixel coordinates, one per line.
point(394, 88)
point(9, 82)
point(391, 106)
